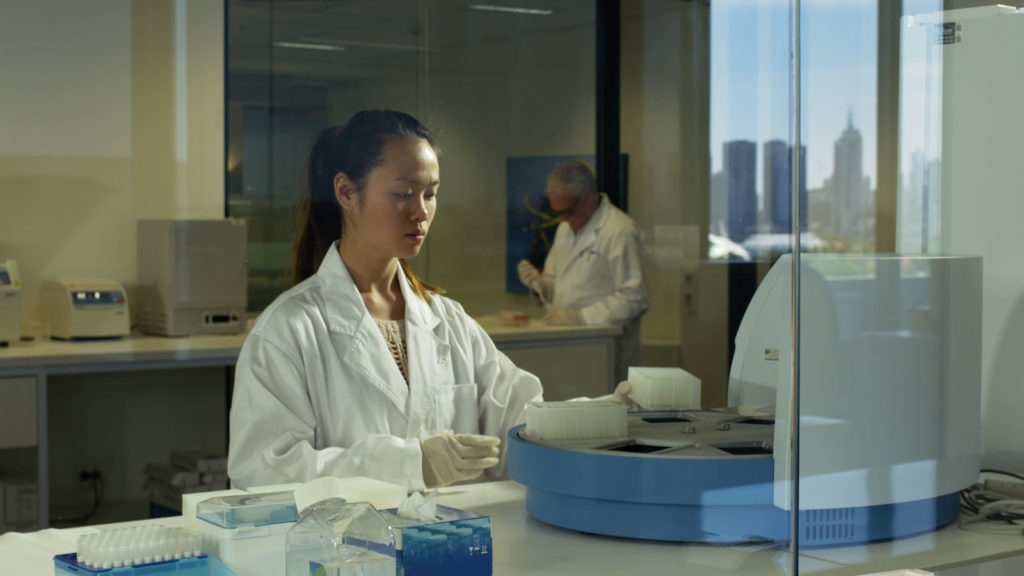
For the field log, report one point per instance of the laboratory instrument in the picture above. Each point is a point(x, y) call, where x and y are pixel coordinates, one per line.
point(192, 276)
point(81, 308)
point(10, 302)
point(889, 411)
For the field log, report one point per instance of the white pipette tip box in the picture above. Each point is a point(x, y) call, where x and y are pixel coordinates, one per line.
point(576, 420)
point(135, 551)
point(657, 388)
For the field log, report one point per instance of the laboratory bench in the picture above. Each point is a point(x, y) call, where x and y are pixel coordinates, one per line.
point(522, 545)
point(563, 357)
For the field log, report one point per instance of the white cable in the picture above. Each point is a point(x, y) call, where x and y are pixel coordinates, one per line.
point(1003, 507)
point(982, 521)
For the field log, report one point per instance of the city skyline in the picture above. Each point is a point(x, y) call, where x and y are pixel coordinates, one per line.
point(751, 78)
point(742, 205)
point(751, 92)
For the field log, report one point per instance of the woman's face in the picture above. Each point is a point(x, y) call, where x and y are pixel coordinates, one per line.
point(390, 216)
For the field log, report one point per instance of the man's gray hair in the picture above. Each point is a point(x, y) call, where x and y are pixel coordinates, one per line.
point(575, 175)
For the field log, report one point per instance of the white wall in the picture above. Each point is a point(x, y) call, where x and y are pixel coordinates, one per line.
point(110, 112)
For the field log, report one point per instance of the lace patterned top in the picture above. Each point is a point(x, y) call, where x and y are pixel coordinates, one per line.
point(394, 335)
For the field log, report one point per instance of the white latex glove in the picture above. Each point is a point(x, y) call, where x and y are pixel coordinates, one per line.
point(622, 396)
point(528, 273)
point(450, 458)
point(563, 316)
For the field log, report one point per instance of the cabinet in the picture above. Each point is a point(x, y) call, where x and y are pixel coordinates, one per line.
point(18, 412)
point(18, 441)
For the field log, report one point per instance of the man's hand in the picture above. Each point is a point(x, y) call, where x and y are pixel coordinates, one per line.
point(563, 316)
point(528, 273)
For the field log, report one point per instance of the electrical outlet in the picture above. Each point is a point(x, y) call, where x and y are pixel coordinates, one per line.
point(88, 475)
point(689, 293)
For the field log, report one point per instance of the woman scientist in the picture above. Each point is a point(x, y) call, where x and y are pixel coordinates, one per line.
point(361, 369)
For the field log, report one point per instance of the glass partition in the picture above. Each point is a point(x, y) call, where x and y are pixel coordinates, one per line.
point(901, 383)
point(506, 91)
point(885, 259)
point(871, 206)
point(832, 251)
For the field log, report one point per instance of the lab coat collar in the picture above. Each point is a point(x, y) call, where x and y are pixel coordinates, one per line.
point(417, 311)
point(345, 306)
point(587, 235)
point(428, 352)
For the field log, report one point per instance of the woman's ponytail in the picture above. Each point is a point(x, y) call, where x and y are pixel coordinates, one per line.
point(319, 216)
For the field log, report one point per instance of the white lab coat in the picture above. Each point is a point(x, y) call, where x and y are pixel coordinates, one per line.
point(599, 270)
point(317, 392)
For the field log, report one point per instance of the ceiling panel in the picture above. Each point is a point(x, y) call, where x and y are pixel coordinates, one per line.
point(390, 36)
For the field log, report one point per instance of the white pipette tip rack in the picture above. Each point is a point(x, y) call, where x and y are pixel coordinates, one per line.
point(576, 420)
point(136, 545)
point(659, 388)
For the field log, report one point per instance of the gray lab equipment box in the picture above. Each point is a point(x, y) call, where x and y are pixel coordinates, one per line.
point(192, 276)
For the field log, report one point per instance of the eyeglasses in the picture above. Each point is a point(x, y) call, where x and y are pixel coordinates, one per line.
point(570, 210)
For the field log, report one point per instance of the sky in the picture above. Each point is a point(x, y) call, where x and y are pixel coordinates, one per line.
point(751, 81)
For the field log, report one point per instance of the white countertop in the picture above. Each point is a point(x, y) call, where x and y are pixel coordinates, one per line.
point(536, 330)
point(136, 348)
point(219, 348)
point(523, 545)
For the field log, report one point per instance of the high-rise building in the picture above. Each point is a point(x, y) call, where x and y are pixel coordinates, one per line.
point(920, 205)
point(851, 195)
point(719, 220)
point(778, 193)
point(739, 159)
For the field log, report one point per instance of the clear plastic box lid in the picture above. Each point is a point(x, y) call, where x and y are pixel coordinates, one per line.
point(241, 510)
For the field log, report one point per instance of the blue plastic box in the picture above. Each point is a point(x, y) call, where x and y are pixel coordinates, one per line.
point(247, 532)
point(196, 566)
point(459, 542)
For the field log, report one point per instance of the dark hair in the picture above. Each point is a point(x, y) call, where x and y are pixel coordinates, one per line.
point(354, 148)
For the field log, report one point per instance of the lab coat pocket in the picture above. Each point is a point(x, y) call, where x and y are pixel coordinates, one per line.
point(455, 408)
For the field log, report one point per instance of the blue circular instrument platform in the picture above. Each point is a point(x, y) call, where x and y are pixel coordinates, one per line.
point(692, 476)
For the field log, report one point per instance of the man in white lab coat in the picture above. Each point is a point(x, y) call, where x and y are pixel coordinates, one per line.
point(595, 271)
